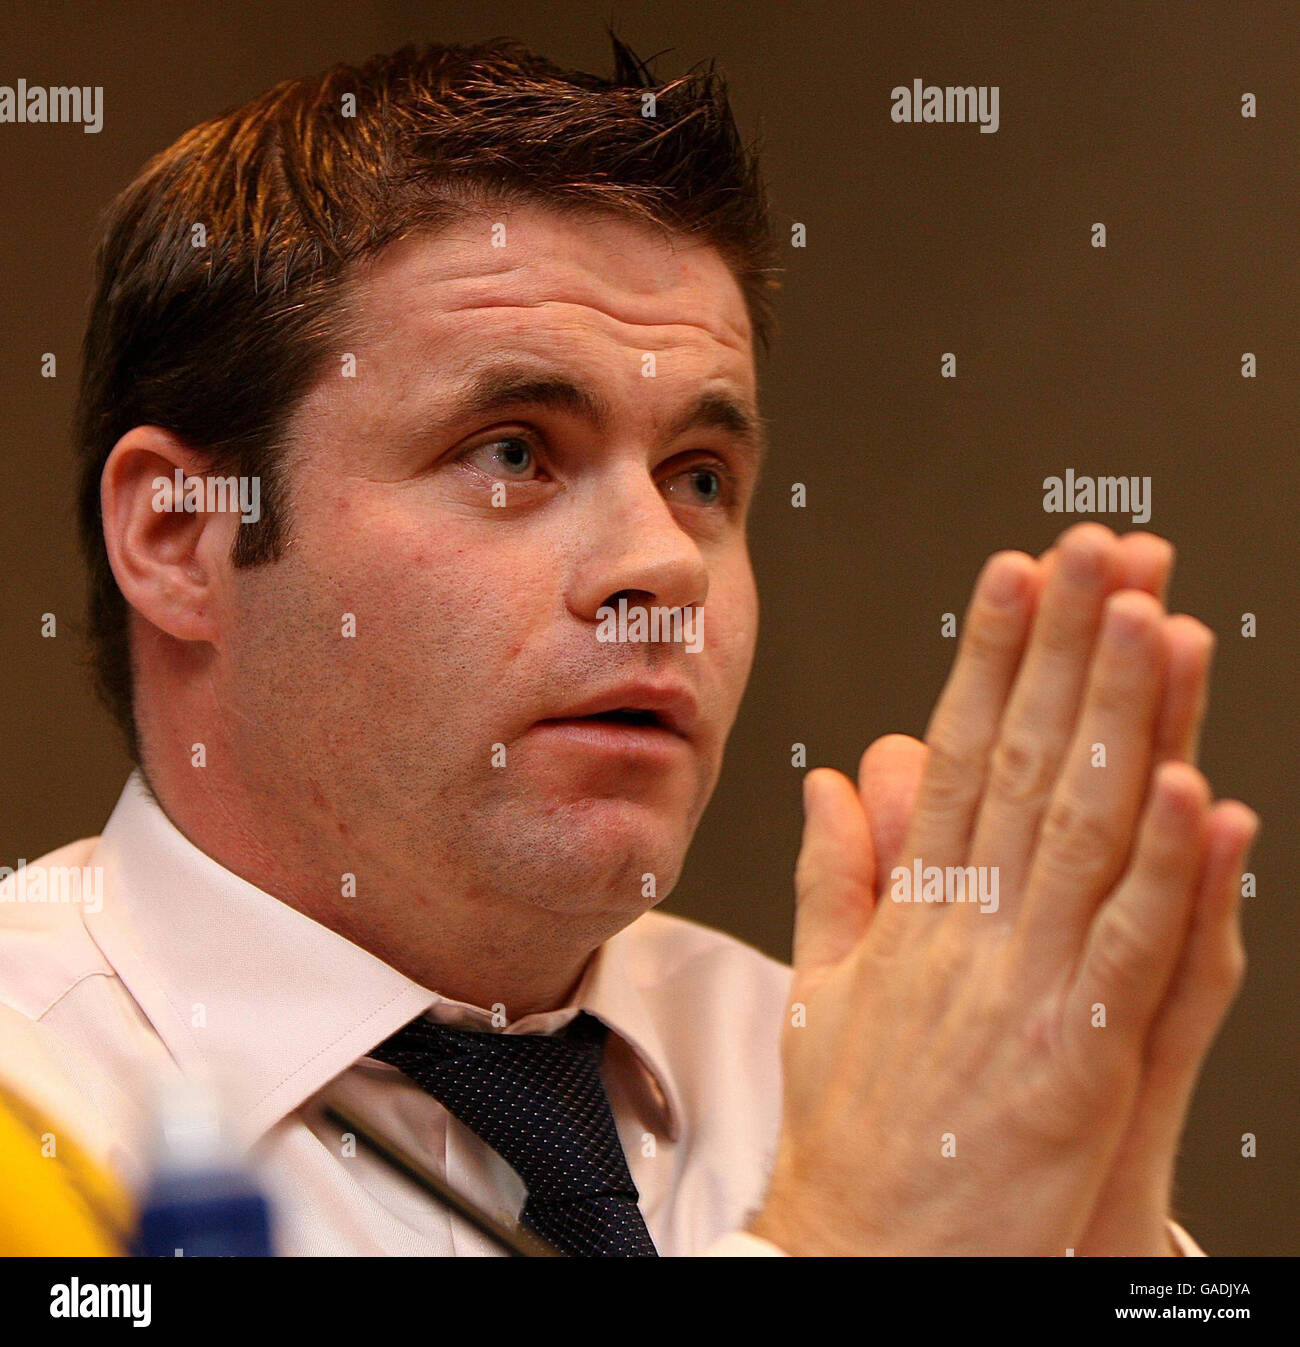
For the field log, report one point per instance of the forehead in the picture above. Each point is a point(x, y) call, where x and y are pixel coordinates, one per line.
point(526, 269)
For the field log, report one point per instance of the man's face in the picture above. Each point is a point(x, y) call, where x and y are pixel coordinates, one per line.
point(533, 431)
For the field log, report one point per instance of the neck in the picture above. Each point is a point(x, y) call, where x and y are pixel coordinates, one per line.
point(486, 949)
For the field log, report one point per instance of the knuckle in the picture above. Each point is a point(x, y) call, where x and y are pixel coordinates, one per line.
point(1112, 695)
point(1021, 767)
point(954, 768)
point(986, 638)
point(948, 958)
point(1121, 953)
point(1077, 838)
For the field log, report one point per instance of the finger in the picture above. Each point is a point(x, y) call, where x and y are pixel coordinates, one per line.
point(1044, 703)
point(1137, 936)
point(1204, 984)
point(966, 717)
point(1145, 562)
point(1047, 562)
point(834, 874)
point(1084, 842)
point(889, 780)
point(1189, 648)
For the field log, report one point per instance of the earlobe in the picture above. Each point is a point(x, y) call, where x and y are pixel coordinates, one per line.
point(165, 547)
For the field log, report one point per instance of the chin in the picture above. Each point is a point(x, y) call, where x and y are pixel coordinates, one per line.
point(596, 853)
point(621, 825)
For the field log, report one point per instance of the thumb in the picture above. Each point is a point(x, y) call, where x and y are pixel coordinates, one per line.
point(834, 873)
point(889, 780)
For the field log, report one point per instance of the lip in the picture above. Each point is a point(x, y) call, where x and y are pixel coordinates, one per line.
point(672, 703)
point(642, 744)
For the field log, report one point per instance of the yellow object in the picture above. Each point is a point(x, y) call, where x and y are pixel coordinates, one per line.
point(54, 1200)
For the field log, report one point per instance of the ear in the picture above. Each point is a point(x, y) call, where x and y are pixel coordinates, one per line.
point(168, 552)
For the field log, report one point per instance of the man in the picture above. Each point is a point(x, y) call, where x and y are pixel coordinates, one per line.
point(467, 343)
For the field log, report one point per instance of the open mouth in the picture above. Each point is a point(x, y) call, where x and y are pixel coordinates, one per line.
point(632, 728)
point(628, 715)
point(663, 709)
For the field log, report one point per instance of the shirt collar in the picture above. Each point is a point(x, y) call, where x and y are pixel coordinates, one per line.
point(271, 1004)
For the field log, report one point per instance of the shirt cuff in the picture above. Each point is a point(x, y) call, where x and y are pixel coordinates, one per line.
point(741, 1244)
point(1184, 1244)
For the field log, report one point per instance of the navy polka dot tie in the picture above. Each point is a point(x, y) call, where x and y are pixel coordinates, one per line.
point(539, 1102)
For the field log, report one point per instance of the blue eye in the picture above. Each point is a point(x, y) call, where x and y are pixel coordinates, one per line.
point(708, 486)
point(510, 456)
point(708, 482)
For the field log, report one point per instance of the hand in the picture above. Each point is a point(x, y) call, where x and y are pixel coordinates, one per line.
point(1132, 1212)
point(951, 1020)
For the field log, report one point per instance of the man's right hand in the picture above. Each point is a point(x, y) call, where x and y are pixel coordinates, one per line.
point(961, 1078)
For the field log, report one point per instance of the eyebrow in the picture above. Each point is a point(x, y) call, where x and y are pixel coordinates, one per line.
point(507, 386)
point(494, 389)
point(720, 411)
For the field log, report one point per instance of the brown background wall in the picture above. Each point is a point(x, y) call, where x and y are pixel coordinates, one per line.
point(920, 240)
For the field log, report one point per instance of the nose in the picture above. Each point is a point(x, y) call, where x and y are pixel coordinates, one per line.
point(635, 549)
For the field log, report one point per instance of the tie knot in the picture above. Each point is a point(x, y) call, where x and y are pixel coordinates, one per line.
point(539, 1102)
point(423, 1044)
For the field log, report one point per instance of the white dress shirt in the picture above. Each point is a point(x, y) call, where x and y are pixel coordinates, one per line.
point(185, 966)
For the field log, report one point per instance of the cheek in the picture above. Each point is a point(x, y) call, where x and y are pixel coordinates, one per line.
point(731, 628)
point(435, 613)
point(451, 604)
